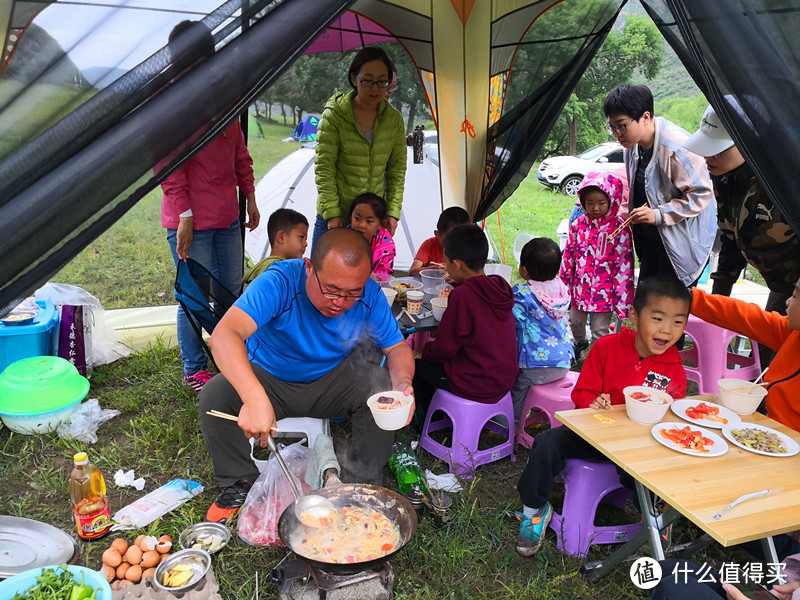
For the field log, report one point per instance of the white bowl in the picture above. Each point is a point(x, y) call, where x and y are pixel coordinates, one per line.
point(390, 294)
point(390, 419)
point(733, 394)
point(438, 305)
point(649, 411)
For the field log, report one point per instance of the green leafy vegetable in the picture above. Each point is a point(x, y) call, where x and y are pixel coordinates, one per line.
point(59, 584)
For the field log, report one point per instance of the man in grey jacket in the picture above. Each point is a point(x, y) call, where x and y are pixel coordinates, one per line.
point(670, 202)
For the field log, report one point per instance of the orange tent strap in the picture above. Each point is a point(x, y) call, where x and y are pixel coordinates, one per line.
point(500, 227)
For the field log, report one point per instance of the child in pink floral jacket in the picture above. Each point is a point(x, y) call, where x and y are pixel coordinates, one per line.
point(598, 260)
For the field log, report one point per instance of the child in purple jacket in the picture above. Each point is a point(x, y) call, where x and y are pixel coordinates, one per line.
point(598, 260)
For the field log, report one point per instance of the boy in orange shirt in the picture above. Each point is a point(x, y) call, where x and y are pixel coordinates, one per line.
point(430, 252)
point(781, 333)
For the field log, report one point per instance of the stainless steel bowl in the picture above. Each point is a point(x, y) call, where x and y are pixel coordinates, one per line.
point(198, 561)
point(205, 535)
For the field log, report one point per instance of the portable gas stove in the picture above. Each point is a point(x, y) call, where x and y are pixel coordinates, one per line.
point(297, 580)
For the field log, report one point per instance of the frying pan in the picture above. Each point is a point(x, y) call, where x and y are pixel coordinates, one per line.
point(391, 504)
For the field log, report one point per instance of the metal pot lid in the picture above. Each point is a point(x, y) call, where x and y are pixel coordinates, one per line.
point(28, 544)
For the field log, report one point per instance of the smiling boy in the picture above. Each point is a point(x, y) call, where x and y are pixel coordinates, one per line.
point(669, 199)
point(647, 357)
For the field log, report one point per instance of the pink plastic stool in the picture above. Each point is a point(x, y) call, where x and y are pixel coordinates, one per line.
point(467, 419)
point(418, 340)
point(587, 483)
point(545, 400)
point(711, 357)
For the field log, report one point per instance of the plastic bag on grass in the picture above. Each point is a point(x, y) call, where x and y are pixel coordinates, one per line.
point(271, 494)
point(84, 422)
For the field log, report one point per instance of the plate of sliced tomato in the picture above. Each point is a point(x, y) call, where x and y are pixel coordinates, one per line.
point(689, 439)
point(706, 414)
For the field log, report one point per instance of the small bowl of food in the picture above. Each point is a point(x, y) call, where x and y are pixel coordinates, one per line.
point(182, 571)
point(645, 405)
point(205, 535)
point(14, 319)
point(390, 409)
point(741, 396)
point(402, 285)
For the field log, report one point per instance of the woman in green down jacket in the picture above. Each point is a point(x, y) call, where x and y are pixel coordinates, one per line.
point(361, 145)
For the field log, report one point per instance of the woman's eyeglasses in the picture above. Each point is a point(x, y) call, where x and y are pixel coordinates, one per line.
point(371, 84)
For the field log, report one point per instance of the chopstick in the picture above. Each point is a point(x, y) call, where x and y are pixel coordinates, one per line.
point(222, 415)
point(409, 315)
point(620, 229)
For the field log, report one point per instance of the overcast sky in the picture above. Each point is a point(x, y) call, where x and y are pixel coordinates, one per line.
point(117, 33)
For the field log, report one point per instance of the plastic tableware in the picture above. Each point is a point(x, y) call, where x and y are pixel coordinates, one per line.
point(38, 393)
point(792, 447)
point(742, 397)
point(727, 417)
point(645, 405)
point(431, 280)
point(439, 305)
point(390, 419)
point(18, 318)
point(18, 584)
point(716, 447)
point(414, 301)
point(390, 294)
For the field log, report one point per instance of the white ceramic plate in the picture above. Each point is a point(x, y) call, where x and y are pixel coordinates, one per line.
point(791, 446)
point(679, 408)
point(718, 446)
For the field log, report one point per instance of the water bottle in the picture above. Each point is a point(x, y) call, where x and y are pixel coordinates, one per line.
point(87, 490)
point(404, 465)
point(419, 139)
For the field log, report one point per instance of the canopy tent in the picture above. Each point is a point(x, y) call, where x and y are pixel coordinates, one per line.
point(290, 184)
point(74, 159)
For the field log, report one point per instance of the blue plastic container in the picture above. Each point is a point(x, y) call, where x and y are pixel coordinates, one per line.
point(27, 579)
point(38, 338)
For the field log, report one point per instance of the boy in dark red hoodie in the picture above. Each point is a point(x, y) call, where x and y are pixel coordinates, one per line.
point(645, 357)
point(474, 354)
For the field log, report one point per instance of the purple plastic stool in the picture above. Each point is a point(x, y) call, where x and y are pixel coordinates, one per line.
point(711, 357)
point(587, 483)
point(545, 400)
point(468, 418)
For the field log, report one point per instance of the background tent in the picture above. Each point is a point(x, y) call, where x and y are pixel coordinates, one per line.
point(306, 130)
point(72, 163)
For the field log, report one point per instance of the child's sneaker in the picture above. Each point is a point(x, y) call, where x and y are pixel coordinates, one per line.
point(198, 380)
point(579, 347)
point(531, 531)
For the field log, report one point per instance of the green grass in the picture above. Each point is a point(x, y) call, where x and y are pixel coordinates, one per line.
point(130, 264)
point(157, 435)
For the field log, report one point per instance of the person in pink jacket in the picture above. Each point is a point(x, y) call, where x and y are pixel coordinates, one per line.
point(598, 260)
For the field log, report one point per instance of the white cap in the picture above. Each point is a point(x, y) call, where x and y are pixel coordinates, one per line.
point(711, 138)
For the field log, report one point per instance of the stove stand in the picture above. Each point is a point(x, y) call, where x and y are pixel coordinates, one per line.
point(297, 580)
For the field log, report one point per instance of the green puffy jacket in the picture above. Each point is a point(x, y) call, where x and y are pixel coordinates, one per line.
point(346, 165)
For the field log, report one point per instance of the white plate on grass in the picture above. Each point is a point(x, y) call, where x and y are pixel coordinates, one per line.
point(791, 446)
point(716, 447)
point(679, 408)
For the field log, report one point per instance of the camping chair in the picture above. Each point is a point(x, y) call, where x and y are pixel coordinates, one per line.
point(203, 298)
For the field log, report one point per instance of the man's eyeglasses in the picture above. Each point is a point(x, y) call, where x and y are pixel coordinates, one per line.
point(331, 296)
point(620, 128)
point(371, 84)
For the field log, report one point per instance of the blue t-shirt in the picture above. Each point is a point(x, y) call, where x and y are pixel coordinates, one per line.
point(297, 343)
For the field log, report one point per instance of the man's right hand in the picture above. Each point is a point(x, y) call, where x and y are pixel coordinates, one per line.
point(183, 237)
point(257, 419)
point(334, 222)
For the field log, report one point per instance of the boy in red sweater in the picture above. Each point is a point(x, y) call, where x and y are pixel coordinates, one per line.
point(474, 354)
point(646, 357)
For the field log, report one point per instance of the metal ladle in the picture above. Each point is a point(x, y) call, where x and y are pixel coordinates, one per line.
point(309, 509)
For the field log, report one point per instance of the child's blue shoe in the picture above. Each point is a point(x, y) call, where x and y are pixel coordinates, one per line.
point(531, 531)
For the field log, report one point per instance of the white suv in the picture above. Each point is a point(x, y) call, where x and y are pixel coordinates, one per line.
point(566, 172)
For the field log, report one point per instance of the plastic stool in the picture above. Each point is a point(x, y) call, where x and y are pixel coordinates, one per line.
point(418, 340)
point(545, 400)
point(467, 419)
point(587, 483)
point(303, 426)
point(710, 356)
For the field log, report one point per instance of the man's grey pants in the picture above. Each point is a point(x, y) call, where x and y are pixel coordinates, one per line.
point(342, 391)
